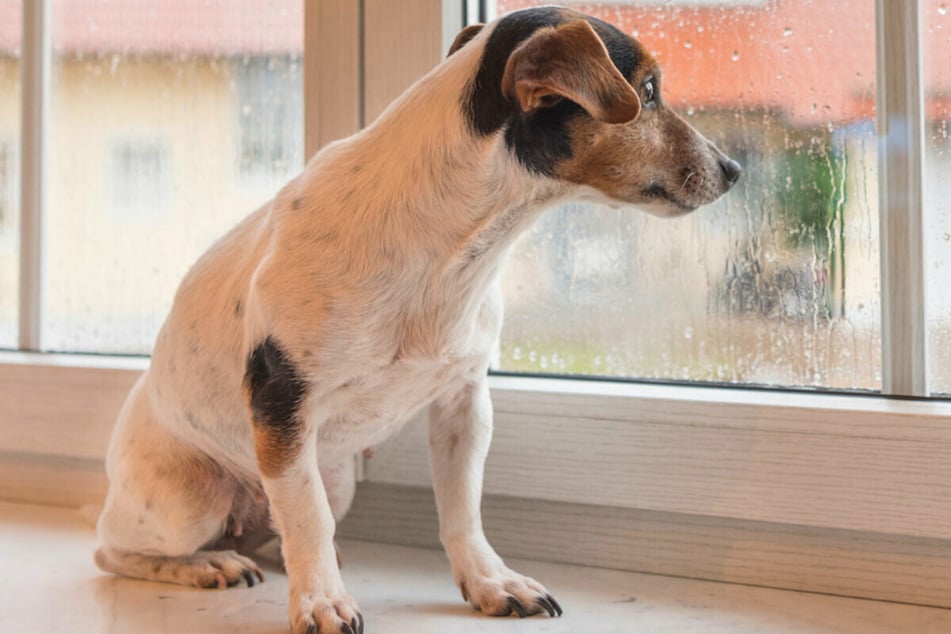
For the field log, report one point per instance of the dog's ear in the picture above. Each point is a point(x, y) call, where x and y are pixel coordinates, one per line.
point(569, 61)
point(464, 36)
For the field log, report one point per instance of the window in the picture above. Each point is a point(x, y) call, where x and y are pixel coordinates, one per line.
point(143, 150)
point(868, 467)
point(777, 284)
point(9, 172)
point(8, 176)
point(140, 182)
point(8, 243)
point(937, 89)
point(269, 114)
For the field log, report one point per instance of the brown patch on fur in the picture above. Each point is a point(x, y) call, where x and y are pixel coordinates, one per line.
point(464, 36)
point(275, 451)
point(684, 166)
point(655, 157)
point(569, 61)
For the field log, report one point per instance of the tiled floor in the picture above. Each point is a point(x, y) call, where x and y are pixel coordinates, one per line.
point(48, 583)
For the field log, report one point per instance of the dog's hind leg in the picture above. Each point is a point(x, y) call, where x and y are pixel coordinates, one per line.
point(165, 503)
point(204, 568)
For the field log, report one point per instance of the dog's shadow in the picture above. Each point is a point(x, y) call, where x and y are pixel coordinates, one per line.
point(443, 609)
point(131, 605)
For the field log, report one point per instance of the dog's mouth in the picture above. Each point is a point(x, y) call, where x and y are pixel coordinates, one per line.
point(656, 191)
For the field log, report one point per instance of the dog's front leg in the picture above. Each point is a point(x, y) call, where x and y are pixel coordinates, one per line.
point(302, 514)
point(285, 441)
point(460, 431)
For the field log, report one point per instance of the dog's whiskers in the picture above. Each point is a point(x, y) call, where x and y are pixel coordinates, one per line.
point(683, 185)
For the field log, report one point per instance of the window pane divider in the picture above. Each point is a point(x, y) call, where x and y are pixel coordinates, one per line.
point(333, 71)
point(900, 122)
point(33, 135)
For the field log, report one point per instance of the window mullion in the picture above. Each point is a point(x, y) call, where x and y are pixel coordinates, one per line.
point(901, 159)
point(34, 109)
point(333, 97)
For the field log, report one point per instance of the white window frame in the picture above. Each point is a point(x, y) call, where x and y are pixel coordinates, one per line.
point(849, 473)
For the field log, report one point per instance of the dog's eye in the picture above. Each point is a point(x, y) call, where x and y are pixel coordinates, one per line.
point(649, 91)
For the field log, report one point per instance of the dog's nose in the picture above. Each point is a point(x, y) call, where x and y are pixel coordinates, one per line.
point(731, 170)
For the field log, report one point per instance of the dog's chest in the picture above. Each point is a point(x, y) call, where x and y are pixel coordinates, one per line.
point(434, 358)
point(371, 407)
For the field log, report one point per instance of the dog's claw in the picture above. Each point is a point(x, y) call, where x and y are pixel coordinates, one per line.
point(554, 604)
point(313, 629)
point(516, 606)
point(346, 629)
point(546, 605)
point(248, 578)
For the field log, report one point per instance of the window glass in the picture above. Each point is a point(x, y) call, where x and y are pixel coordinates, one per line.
point(10, 19)
point(168, 123)
point(937, 83)
point(778, 283)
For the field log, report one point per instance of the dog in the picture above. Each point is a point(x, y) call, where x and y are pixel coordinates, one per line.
point(366, 291)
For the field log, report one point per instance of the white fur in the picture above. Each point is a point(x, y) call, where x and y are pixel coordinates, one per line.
point(376, 270)
point(385, 272)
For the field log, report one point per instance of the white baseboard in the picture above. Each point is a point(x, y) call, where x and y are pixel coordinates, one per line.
point(848, 563)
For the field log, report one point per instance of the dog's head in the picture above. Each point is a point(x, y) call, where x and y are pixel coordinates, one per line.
point(580, 101)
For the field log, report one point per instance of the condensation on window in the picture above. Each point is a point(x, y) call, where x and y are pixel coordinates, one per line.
point(168, 124)
point(10, 36)
point(778, 283)
point(937, 82)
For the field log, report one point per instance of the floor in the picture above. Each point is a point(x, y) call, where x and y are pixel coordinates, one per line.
point(48, 583)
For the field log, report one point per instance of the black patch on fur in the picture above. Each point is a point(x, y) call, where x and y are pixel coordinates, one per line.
point(539, 140)
point(276, 388)
point(626, 57)
point(486, 107)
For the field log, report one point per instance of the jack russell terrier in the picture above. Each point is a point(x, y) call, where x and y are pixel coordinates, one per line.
point(368, 290)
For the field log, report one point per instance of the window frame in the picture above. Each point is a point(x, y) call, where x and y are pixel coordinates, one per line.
point(828, 463)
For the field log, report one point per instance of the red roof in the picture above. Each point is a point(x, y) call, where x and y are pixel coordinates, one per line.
point(815, 61)
point(161, 26)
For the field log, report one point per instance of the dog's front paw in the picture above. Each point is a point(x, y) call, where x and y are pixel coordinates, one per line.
point(333, 614)
point(508, 593)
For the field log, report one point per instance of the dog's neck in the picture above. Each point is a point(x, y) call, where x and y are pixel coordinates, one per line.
point(419, 196)
point(419, 169)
